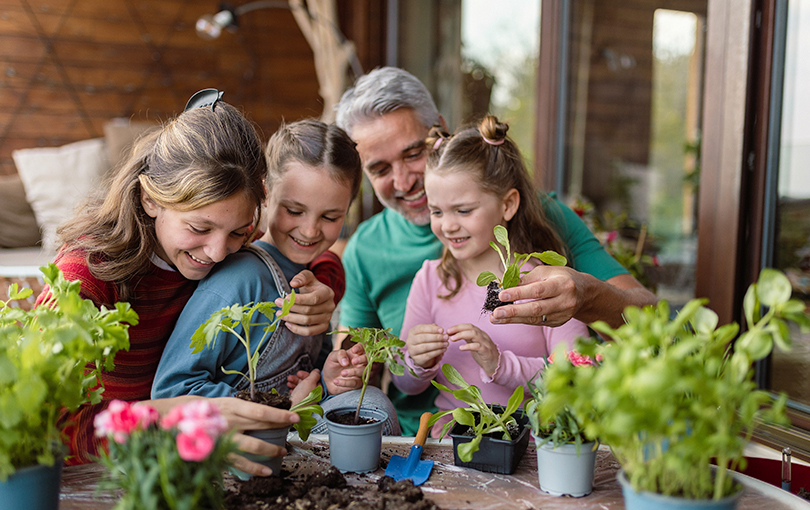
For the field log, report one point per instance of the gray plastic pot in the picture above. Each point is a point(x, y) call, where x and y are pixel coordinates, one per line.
point(32, 488)
point(356, 448)
point(277, 437)
point(561, 472)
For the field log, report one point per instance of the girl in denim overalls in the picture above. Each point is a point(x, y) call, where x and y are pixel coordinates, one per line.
point(313, 174)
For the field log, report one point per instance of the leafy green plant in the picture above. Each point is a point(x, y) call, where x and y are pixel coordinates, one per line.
point(513, 262)
point(479, 416)
point(229, 319)
point(51, 358)
point(564, 428)
point(380, 346)
point(671, 394)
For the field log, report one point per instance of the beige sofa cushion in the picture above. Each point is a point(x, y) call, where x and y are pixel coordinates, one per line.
point(57, 179)
point(18, 225)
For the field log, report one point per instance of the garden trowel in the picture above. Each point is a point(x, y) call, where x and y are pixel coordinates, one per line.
point(412, 467)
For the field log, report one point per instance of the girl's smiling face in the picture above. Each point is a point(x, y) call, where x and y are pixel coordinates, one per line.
point(463, 217)
point(193, 241)
point(306, 208)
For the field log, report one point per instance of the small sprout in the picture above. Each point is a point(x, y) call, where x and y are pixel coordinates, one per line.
point(513, 262)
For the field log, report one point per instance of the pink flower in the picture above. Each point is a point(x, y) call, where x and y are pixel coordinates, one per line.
point(196, 414)
point(611, 236)
point(194, 446)
point(121, 418)
point(577, 359)
point(655, 261)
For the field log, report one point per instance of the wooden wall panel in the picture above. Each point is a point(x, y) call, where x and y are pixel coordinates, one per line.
point(69, 66)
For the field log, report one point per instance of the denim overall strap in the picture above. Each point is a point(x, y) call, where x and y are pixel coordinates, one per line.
point(284, 353)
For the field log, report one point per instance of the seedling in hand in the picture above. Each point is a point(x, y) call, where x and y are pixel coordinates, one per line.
point(488, 422)
point(512, 263)
point(380, 346)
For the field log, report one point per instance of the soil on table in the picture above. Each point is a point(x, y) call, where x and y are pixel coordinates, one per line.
point(322, 490)
point(348, 419)
point(267, 398)
point(492, 302)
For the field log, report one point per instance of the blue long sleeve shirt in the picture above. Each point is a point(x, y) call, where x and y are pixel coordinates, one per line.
point(240, 279)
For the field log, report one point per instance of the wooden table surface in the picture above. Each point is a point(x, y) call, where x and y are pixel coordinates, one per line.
point(450, 487)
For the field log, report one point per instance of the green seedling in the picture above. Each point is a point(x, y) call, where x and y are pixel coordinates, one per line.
point(380, 346)
point(513, 262)
point(230, 318)
point(479, 416)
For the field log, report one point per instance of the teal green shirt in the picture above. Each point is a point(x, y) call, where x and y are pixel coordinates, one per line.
point(386, 251)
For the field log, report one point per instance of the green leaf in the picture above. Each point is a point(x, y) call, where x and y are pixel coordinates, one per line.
point(453, 376)
point(551, 258)
point(466, 450)
point(464, 416)
point(773, 287)
point(502, 236)
point(485, 278)
point(511, 277)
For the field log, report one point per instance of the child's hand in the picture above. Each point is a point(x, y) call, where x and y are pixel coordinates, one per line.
point(305, 382)
point(426, 343)
point(483, 349)
point(314, 304)
point(343, 370)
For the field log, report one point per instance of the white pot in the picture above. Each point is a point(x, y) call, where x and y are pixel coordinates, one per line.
point(561, 472)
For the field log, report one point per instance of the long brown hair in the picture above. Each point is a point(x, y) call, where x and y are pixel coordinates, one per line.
point(200, 157)
point(494, 162)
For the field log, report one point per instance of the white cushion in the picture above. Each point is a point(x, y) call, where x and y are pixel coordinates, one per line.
point(57, 179)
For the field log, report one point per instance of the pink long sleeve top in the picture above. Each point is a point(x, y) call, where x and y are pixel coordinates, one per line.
point(522, 347)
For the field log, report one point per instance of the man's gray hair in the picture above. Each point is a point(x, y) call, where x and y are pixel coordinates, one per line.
point(382, 91)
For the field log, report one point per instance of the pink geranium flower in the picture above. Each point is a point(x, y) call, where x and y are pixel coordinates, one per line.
point(194, 415)
point(121, 418)
point(194, 446)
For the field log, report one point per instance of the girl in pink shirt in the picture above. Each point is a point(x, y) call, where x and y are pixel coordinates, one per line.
point(474, 181)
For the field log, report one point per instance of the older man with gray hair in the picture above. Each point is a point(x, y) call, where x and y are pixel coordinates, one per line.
point(388, 113)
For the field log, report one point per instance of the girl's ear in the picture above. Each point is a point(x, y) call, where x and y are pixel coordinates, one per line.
point(149, 205)
point(511, 201)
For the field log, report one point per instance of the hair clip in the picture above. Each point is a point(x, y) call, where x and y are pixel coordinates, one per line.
point(491, 142)
point(438, 143)
point(203, 98)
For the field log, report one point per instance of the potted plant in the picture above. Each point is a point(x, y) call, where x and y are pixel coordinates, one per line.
point(566, 457)
point(512, 263)
point(50, 360)
point(671, 394)
point(230, 320)
point(487, 437)
point(355, 434)
point(174, 463)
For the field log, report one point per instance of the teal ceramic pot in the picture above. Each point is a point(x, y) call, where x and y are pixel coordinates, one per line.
point(652, 501)
point(356, 448)
point(32, 488)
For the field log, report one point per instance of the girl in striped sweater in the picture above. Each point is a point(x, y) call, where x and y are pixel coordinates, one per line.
point(188, 196)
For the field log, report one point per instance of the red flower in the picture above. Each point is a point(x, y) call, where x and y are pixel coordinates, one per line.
point(121, 418)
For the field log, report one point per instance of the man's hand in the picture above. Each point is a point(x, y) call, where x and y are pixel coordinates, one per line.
point(314, 304)
point(555, 294)
point(427, 343)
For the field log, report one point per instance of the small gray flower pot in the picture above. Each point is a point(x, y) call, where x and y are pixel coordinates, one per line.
point(277, 437)
point(561, 472)
point(356, 448)
point(32, 488)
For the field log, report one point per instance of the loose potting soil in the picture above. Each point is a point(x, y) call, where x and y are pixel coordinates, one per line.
point(323, 489)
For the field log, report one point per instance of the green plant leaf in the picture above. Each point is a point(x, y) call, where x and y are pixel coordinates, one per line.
point(551, 258)
point(464, 416)
point(511, 277)
point(466, 450)
point(485, 278)
point(453, 376)
point(502, 236)
point(773, 287)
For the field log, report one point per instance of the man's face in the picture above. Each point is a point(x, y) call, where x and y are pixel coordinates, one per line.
point(392, 149)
